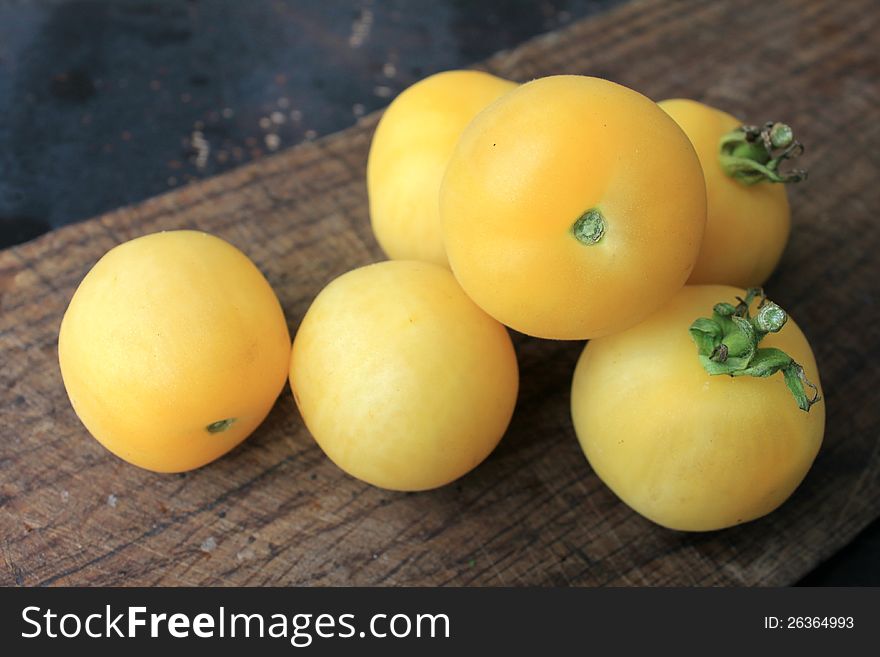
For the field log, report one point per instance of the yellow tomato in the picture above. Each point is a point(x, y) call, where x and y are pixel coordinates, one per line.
point(403, 381)
point(173, 349)
point(572, 207)
point(685, 449)
point(747, 225)
point(412, 144)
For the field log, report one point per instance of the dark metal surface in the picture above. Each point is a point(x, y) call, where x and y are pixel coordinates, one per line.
point(104, 103)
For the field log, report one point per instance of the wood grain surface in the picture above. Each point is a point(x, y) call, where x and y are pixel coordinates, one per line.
point(276, 511)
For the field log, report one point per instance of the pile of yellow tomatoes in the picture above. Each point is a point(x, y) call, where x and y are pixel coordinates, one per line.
point(566, 208)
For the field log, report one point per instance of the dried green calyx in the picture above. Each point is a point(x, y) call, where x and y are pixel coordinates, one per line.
point(753, 154)
point(728, 344)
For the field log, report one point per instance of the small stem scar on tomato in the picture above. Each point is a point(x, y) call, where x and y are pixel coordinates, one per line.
point(220, 425)
point(589, 227)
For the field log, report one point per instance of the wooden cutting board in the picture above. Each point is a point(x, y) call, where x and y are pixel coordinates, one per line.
point(276, 511)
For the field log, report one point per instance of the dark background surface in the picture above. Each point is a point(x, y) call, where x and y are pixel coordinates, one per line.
point(105, 103)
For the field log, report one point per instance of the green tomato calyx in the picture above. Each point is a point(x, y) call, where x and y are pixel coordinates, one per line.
point(752, 154)
point(728, 344)
point(220, 425)
point(589, 227)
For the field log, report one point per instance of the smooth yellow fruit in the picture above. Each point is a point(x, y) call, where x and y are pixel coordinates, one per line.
point(403, 381)
point(572, 207)
point(408, 156)
point(173, 349)
point(685, 449)
point(747, 226)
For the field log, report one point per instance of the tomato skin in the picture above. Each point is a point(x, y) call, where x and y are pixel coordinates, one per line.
point(408, 155)
point(540, 157)
point(687, 450)
point(747, 226)
point(173, 349)
point(402, 380)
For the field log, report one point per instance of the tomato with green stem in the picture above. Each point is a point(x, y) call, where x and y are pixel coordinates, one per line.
point(708, 436)
point(572, 207)
point(748, 216)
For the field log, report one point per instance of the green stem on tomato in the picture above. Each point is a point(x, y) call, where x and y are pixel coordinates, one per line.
point(752, 154)
point(728, 344)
